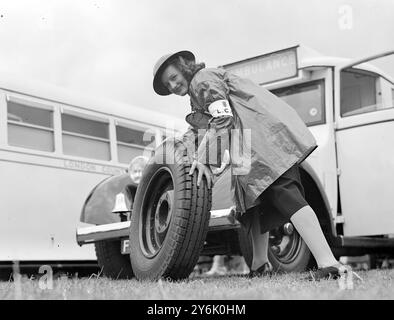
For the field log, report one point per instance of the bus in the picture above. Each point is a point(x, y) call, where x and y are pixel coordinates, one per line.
point(55, 146)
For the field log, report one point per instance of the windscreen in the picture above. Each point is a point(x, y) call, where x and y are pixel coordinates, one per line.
point(307, 99)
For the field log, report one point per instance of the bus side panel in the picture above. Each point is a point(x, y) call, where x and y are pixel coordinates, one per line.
point(39, 208)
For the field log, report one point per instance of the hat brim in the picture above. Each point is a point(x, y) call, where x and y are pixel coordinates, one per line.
point(158, 86)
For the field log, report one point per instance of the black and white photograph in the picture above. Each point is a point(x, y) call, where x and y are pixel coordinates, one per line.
point(196, 155)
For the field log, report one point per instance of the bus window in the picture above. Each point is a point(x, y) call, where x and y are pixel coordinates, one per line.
point(307, 99)
point(85, 137)
point(30, 127)
point(131, 142)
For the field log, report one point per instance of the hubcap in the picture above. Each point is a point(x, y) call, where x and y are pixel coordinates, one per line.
point(285, 243)
point(156, 212)
point(163, 212)
point(288, 229)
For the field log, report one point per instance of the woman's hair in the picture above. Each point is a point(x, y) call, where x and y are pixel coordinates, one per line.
point(187, 67)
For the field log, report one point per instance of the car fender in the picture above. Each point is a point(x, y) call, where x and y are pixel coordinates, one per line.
point(98, 205)
point(327, 211)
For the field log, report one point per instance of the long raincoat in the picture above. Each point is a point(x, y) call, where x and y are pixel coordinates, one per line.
point(265, 135)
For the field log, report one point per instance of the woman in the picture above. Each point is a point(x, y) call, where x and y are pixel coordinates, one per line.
point(270, 141)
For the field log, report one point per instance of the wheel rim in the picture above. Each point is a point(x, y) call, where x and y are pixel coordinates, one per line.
point(156, 214)
point(285, 243)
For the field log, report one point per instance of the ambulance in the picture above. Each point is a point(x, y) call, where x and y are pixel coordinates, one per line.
point(166, 223)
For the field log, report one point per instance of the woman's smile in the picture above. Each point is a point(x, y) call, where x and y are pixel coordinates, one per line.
point(180, 90)
point(174, 80)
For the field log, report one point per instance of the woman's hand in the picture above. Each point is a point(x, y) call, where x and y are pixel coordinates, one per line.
point(202, 170)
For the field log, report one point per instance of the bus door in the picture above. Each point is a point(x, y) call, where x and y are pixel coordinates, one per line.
point(365, 144)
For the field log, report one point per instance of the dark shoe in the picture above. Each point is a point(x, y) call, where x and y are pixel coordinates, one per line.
point(332, 272)
point(265, 270)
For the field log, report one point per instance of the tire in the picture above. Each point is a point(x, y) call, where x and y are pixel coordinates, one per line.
point(287, 251)
point(113, 264)
point(170, 217)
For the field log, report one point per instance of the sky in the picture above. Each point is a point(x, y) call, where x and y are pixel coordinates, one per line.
point(107, 48)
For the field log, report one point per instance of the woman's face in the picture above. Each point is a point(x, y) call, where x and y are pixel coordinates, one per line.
point(174, 80)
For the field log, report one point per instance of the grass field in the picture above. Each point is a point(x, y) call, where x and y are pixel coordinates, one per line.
point(375, 284)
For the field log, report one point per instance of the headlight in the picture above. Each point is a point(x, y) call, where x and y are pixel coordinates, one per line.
point(136, 168)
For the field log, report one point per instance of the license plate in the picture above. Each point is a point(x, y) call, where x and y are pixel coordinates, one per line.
point(125, 246)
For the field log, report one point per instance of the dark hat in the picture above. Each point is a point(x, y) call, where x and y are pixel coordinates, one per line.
point(161, 64)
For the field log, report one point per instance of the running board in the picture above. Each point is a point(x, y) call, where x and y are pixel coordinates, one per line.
point(365, 242)
point(220, 220)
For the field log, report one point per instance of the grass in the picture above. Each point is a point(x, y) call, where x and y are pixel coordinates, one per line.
point(375, 284)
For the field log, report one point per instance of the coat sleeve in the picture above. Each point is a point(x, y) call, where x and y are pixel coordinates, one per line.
point(211, 93)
